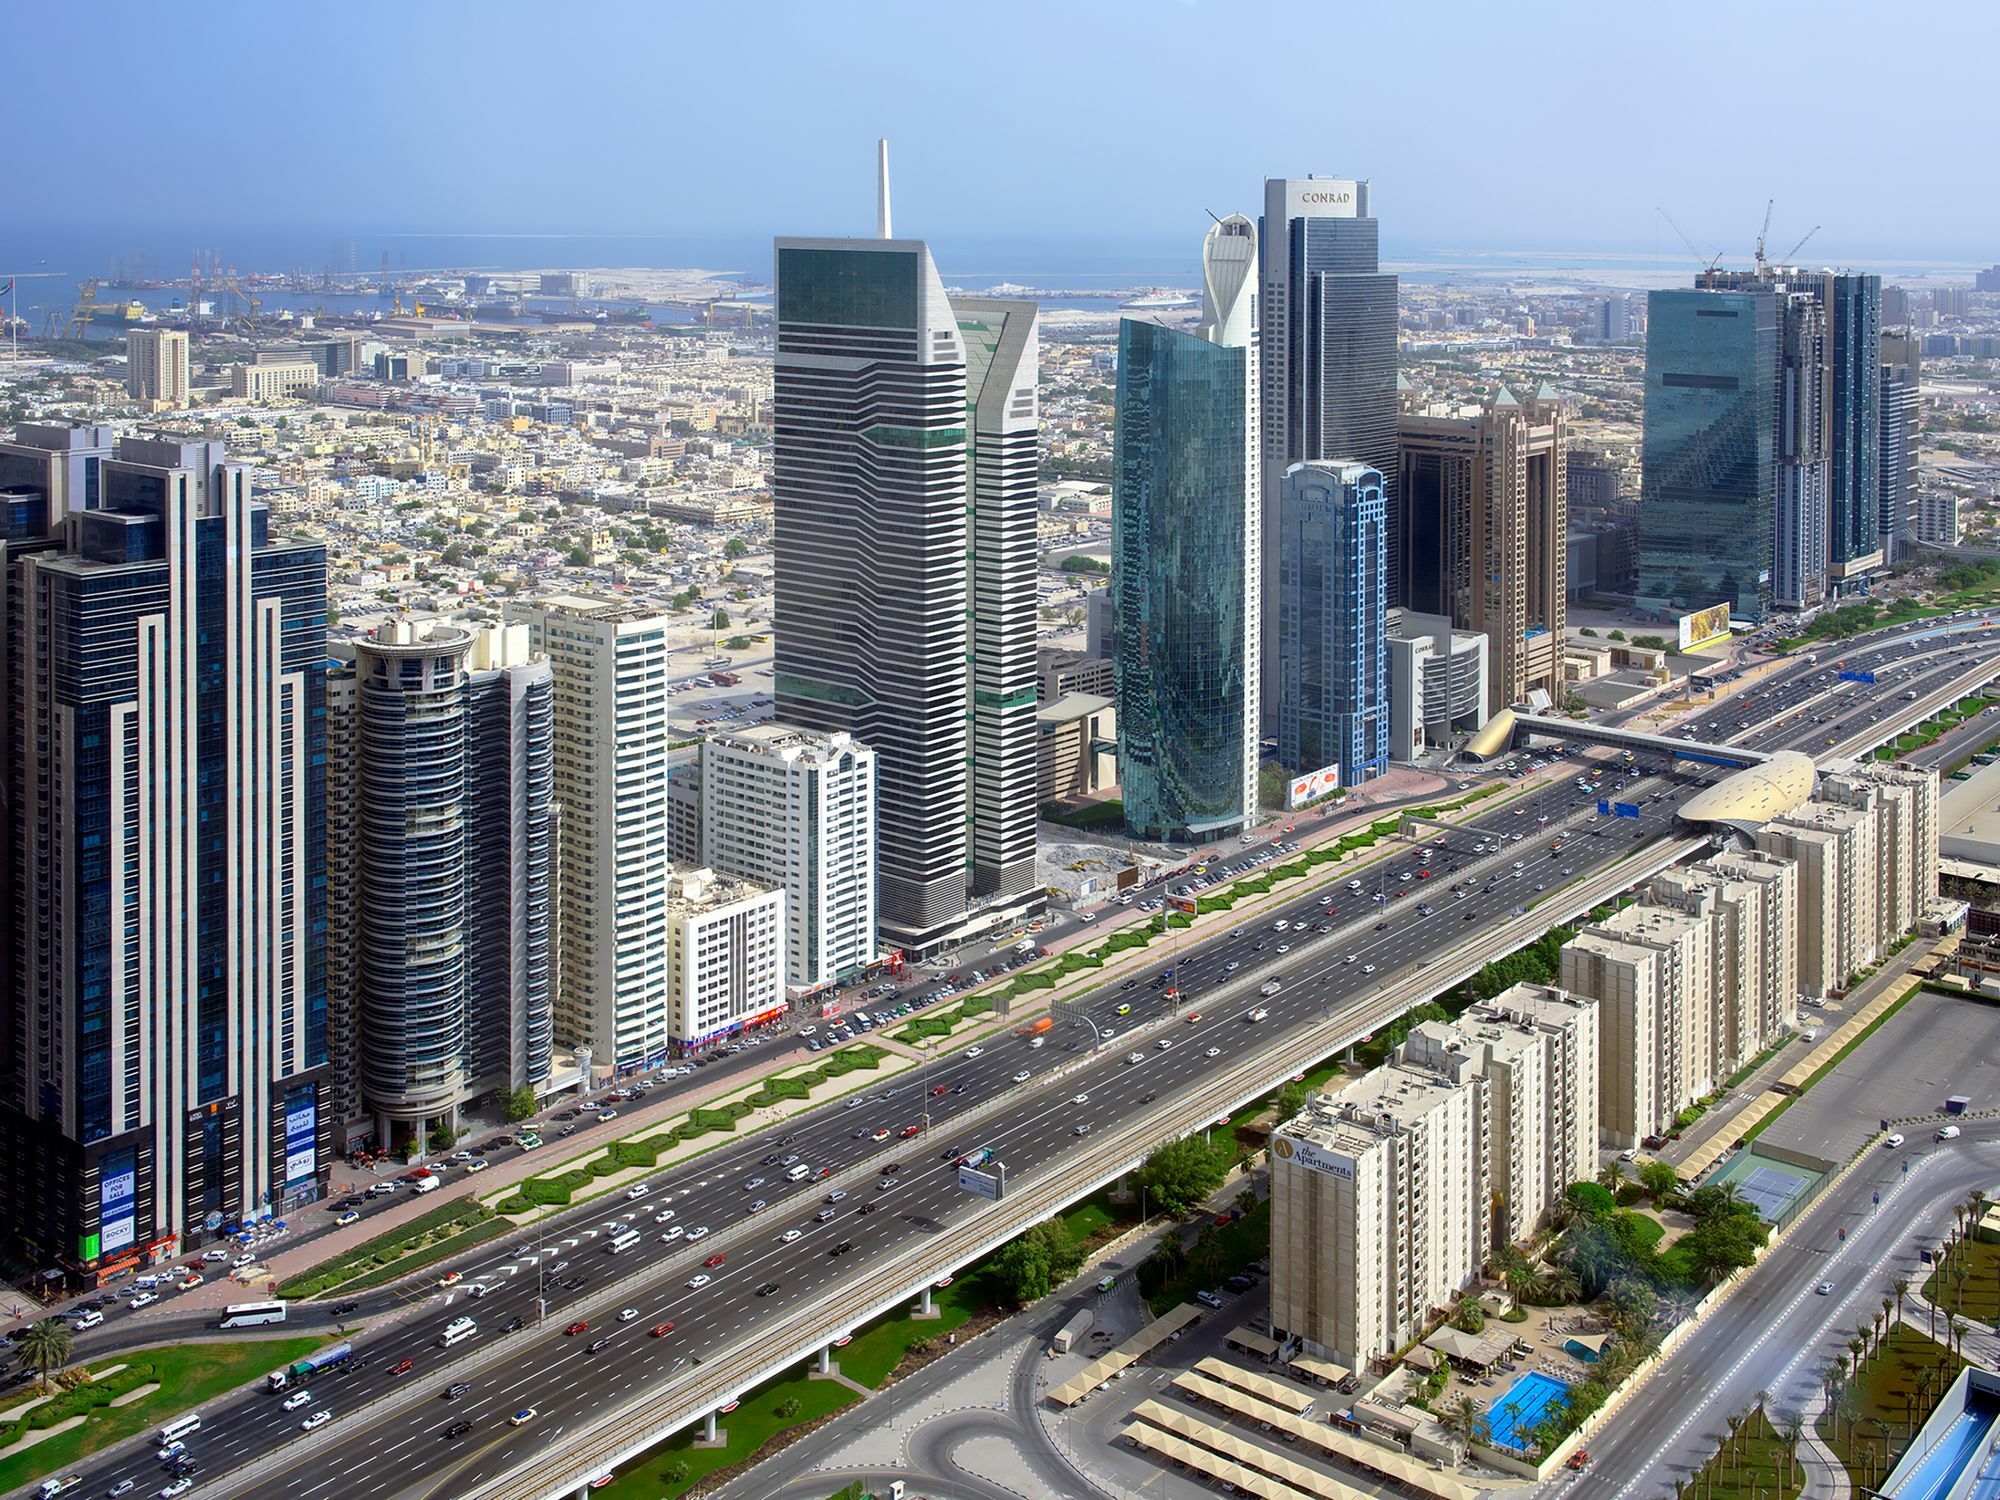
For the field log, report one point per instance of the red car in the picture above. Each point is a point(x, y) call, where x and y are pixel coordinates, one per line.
point(1423, 874)
point(1193, 1016)
point(907, 1131)
point(713, 1261)
point(1224, 1219)
point(579, 1326)
point(937, 1091)
point(402, 1367)
point(661, 1330)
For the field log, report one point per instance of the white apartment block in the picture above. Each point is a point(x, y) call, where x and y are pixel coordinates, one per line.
point(795, 808)
point(156, 366)
point(272, 382)
point(1835, 850)
point(1379, 1210)
point(1651, 970)
point(725, 955)
point(1905, 801)
point(1778, 911)
point(1939, 519)
point(609, 659)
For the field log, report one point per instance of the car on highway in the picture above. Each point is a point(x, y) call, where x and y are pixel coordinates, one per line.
point(457, 1429)
point(661, 1330)
point(597, 1346)
point(350, 1217)
point(1021, 1077)
point(181, 1485)
point(1083, 1129)
point(767, 1288)
point(294, 1402)
point(626, 1315)
point(1193, 1016)
point(1213, 1052)
point(697, 1282)
point(1123, 1010)
point(1081, 1099)
point(908, 1130)
point(458, 1388)
point(755, 1182)
point(1825, 1289)
point(715, 1260)
point(878, 1135)
point(402, 1367)
point(699, 1232)
point(317, 1419)
point(637, 1190)
point(758, 1207)
point(522, 1417)
point(579, 1326)
point(671, 1233)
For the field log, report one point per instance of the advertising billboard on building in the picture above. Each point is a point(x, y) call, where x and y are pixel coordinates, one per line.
point(117, 1200)
point(1312, 786)
point(1313, 1158)
point(1703, 626)
point(301, 1131)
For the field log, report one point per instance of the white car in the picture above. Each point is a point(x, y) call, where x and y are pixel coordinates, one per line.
point(1213, 1052)
point(789, 1235)
point(1023, 1076)
point(293, 1403)
point(1081, 1099)
point(700, 1231)
point(672, 1233)
point(241, 1261)
point(626, 1315)
point(664, 1216)
point(317, 1419)
point(1368, 968)
point(217, 1254)
point(698, 1281)
point(179, 1487)
point(637, 1190)
point(975, 1051)
point(145, 1299)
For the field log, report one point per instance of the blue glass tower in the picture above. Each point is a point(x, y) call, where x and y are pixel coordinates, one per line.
point(1183, 590)
point(1854, 491)
point(1333, 667)
point(1710, 491)
point(166, 751)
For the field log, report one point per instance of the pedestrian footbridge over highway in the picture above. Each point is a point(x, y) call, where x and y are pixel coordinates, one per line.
point(1507, 730)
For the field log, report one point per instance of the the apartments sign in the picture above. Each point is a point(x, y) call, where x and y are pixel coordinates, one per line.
point(1313, 1158)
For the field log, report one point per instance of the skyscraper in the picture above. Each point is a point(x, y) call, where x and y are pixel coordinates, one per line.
point(609, 660)
point(1710, 484)
point(1798, 538)
point(441, 784)
point(1327, 332)
point(156, 366)
point(164, 1055)
point(1895, 525)
point(903, 477)
point(1486, 521)
point(1854, 489)
point(1186, 583)
point(1333, 665)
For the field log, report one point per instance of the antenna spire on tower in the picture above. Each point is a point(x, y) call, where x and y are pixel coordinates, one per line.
point(882, 190)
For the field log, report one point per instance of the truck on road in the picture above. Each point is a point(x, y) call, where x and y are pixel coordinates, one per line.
point(1037, 1027)
point(311, 1365)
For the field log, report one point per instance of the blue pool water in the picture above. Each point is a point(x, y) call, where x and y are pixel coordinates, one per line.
point(1516, 1410)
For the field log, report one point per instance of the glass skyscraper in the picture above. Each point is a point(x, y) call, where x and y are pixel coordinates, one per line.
point(166, 1050)
point(1854, 490)
point(1327, 346)
point(1707, 507)
point(1185, 578)
point(1332, 650)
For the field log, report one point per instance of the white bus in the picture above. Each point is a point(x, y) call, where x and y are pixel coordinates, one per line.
point(457, 1329)
point(625, 1239)
point(179, 1428)
point(248, 1314)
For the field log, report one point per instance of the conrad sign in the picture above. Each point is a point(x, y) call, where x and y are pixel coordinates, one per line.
point(1321, 198)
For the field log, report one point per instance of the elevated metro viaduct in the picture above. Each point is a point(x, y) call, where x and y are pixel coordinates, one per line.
point(1508, 730)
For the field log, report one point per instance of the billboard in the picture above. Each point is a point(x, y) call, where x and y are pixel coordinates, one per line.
point(990, 1184)
point(117, 1200)
point(1311, 786)
point(1313, 1158)
point(1703, 626)
point(301, 1133)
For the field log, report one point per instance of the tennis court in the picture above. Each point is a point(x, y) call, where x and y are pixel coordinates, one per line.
point(1776, 1189)
point(1519, 1409)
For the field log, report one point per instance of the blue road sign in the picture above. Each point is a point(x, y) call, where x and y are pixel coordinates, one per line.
point(1857, 677)
point(1603, 808)
point(1625, 809)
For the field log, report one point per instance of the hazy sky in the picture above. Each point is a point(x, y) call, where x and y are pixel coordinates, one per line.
point(1483, 126)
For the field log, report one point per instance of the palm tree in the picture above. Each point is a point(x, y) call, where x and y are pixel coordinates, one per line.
point(1856, 1347)
point(1735, 1420)
point(1463, 1420)
point(1958, 1326)
point(1613, 1175)
point(1901, 1286)
point(44, 1347)
point(1794, 1434)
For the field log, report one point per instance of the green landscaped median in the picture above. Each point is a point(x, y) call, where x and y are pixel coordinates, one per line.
point(430, 1236)
point(557, 1189)
point(186, 1374)
point(925, 1027)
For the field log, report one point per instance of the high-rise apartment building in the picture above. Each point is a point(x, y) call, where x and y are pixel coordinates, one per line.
point(441, 873)
point(904, 531)
point(794, 809)
point(156, 366)
point(609, 660)
point(1836, 850)
point(725, 955)
point(1798, 538)
point(1939, 517)
point(1901, 370)
point(1333, 675)
point(1485, 528)
point(1327, 354)
point(1185, 546)
point(1710, 481)
point(163, 1061)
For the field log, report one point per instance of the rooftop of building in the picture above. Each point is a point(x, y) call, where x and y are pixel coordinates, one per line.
point(1374, 1107)
point(1969, 817)
point(699, 889)
point(1070, 707)
point(788, 741)
point(1755, 794)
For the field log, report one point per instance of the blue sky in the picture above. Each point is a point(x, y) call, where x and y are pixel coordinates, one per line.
point(1553, 126)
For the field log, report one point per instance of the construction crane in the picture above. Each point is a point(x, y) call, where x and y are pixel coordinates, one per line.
point(1769, 204)
point(80, 315)
point(1692, 249)
point(1802, 243)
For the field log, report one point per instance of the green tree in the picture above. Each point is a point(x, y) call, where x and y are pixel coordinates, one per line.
point(1723, 1246)
point(1291, 1099)
point(1181, 1173)
point(1595, 1201)
point(1464, 1420)
point(1470, 1317)
point(44, 1347)
point(735, 547)
point(1617, 635)
point(1029, 1266)
point(1632, 1304)
point(1717, 1201)
point(520, 1105)
point(1660, 1179)
point(719, 620)
point(453, 555)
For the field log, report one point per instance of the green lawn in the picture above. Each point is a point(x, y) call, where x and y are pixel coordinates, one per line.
point(187, 1374)
point(1890, 1401)
point(880, 1347)
point(1979, 1295)
point(1237, 1245)
point(430, 1236)
point(677, 1465)
point(1757, 1465)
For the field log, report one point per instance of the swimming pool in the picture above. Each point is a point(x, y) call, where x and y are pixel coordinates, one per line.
point(1516, 1411)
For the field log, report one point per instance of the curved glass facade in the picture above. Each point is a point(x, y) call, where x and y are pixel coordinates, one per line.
point(1181, 585)
point(410, 850)
point(1333, 673)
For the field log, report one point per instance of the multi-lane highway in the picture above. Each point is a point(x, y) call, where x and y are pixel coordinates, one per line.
point(402, 1435)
